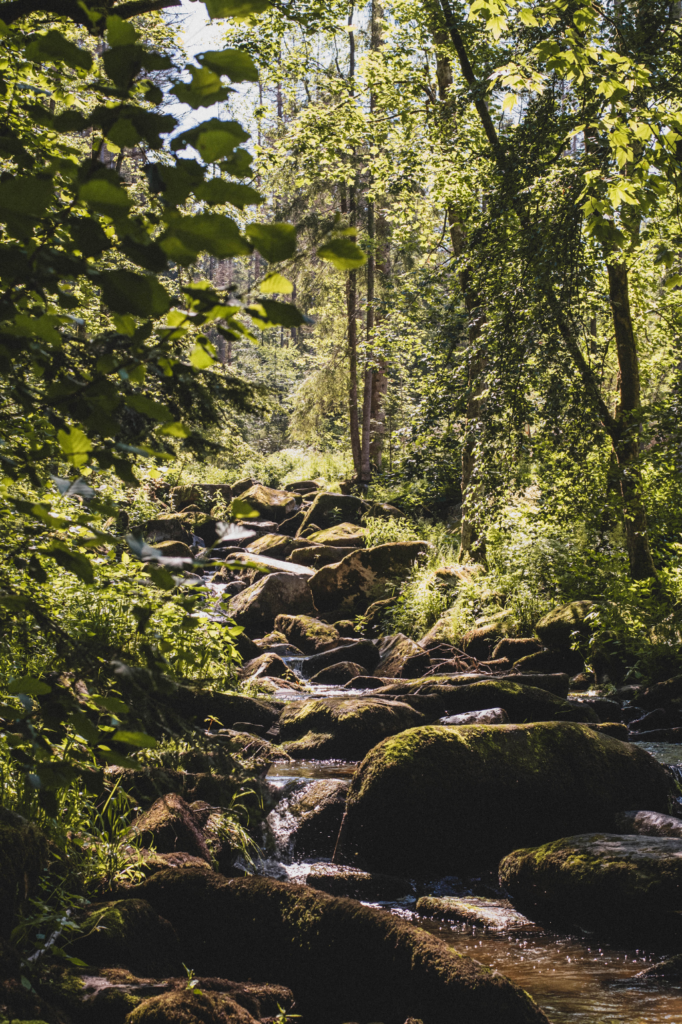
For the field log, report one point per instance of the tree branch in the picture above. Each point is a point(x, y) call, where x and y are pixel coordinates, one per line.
point(13, 10)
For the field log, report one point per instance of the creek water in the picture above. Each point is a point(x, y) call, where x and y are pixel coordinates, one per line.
point(574, 978)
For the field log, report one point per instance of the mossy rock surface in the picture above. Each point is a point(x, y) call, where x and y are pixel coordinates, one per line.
point(395, 651)
point(261, 603)
point(329, 510)
point(275, 545)
point(345, 535)
point(521, 702)
point(269, 502)
point(318, 555)
point(453, 800)
point(307, 633)
point(169, 826)
point(342, 727)
point(557, 627)
point(190, 1007)
point(343, 961)
point(599, 879)
point(364, 576)
point(129, 933)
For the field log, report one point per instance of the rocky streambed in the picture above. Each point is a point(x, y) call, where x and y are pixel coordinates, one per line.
point(446, 834)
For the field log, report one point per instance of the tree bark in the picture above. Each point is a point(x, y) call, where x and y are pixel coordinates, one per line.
point(626, 440)
point(352, 297)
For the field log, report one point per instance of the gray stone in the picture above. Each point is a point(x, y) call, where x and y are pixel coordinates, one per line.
point(491, 716)
point(493, 915)
point(262, 602)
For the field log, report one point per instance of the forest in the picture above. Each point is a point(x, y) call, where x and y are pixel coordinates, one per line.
point(341, 491)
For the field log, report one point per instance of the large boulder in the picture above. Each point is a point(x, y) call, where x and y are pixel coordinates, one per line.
point(362, 652)
point(345, 535)
point(338, 674)
point(452, 800)
point(363, 577)
point(557, 627)
point(190, 1006)
point(272, 504)
point(522, 703)
point(318, 555)
point(342, 727)
point(226, 708)
point(600, 881)
point(660, 695)
point(128, 933)
point(329, 510)
point(275, 545)
point(260, 604)
point(309, 634)
point(167, 527)
point(343, 961)
point(169, 826)
point(401, 656)
point(648, 823)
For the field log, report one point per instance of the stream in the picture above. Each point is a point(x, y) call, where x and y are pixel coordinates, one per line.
point(575, 979)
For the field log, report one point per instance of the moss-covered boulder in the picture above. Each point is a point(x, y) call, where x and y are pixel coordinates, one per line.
point(345, 535)
point(514, 648)
point(170, 527)
point(129, 933)
point(270, 503)
point(660, 695)
point(453, 800)
point(328, 510)
point(338, 674)
point(309, 634)
point(268, 664)
point(522, 703)
point(23, 854)
point(318, 555)
point(342, 727)
point(343, 961)
point(174, 549)
point(599, 880)
point(259, 605)
point(363, 577)
point(190, 1006)
point(275, 545)
point(169, 826)
point(557, 627)
point(362, 652)
point(227, 708)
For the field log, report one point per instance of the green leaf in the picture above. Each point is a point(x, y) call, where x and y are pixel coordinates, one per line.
point(204, 90)
point(268, 313)
point(69, 121)
point(175, 429)
point(213, 139)
point(120, 32)
point(72, 561)
point(343, 253)
point(276, 284)
point(237, 9)
point(174, 183)
point(237, 64)
point(154, 410)
point(239, 165)
point(104, 196)
point(52, 46)
point(240, 509)
point(219, 191)
point(113, 704)
point(201, 358)
point(151, 257)
point(126, 292)
point(88, 236)
point(75, 445)
point(186, 237)
point(83, 726)
point(29, 685)
point(274, 242)
point(161, 577)
point(27, 196)
point(134, 739)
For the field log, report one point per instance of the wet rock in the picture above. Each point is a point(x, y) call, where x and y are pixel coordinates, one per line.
point(516, 647)
point(364, 576)
point(362, 652)
point(491, 716)
point(364, 682)
point(23, 854)
point(657, 719)
point(607, 710)
point(275, 545)
point(359, 885)
point(648, 823)
point(261, 603)
point(328, 510)
point(556, 629)
point(226, 708)
point(268, 664)
point(264, 563)
point(129, 933)
point(667, 970)
point(313, 943)
point(342, 727)
point(658, 736)
point(337, 675)
point(600, 880)
point(169, 826)
point(271, 503)
point(401, 656)
point(308, 633)
point(550, 660)
point(441, 800)
point(307, 823)
point(493, 915)
point(345, 535)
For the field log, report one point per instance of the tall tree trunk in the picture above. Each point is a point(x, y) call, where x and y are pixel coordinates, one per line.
point(626, 442)
point(622, 429)
point(352, 298)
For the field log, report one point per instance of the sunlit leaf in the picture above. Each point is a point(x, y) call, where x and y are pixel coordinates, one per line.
point(343, 253)
point(274, 242)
